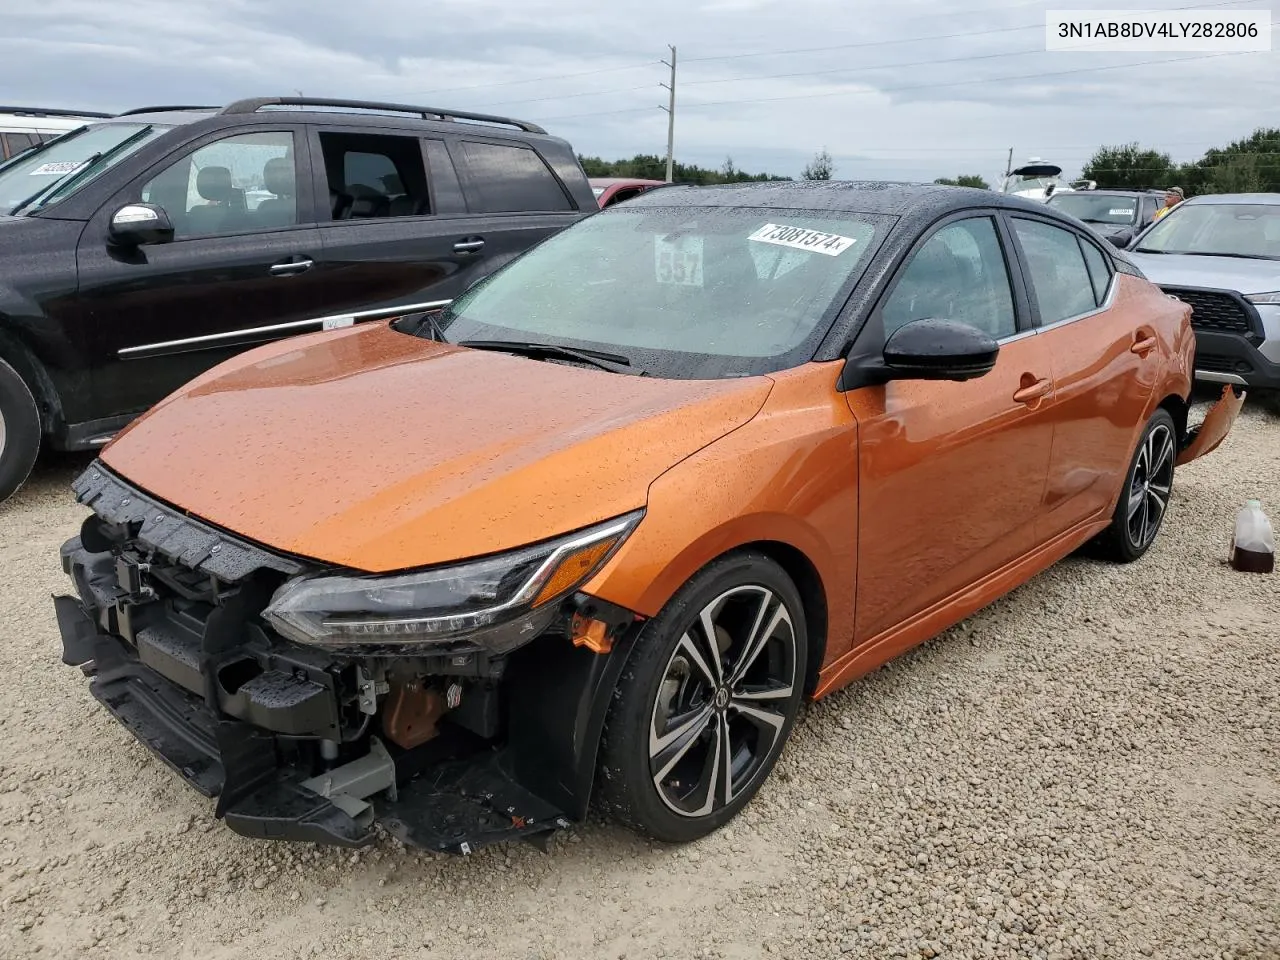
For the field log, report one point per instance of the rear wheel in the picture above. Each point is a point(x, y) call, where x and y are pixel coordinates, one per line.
point(1145, 497)
point(19, 430)
point(706, 702)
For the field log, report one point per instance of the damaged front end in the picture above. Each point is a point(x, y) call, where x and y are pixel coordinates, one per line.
point(256, 676)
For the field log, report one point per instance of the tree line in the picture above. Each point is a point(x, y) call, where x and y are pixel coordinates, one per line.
point(1250, 165)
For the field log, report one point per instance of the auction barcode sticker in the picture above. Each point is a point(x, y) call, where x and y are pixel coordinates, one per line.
point(802, 238)
point(1157, 31)
point(56, 167)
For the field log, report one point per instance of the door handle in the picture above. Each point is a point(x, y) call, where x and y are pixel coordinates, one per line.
point(1142, 344)
point(290, 267)
point(1033, 391)
point(469, 246)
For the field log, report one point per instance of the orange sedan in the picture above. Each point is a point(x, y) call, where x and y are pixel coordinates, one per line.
point(595, 530)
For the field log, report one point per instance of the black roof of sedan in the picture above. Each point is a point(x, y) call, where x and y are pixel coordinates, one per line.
point(851, 196)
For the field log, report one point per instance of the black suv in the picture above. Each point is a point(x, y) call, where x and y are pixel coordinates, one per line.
point(141, 250)
point(1117, 215)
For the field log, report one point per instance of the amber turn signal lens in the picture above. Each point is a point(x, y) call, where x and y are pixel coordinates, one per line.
point(573, 568)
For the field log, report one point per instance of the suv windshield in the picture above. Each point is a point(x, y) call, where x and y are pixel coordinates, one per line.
point(1218, 229)
point(44, 176)
point(683, 293)
point(1097, 208)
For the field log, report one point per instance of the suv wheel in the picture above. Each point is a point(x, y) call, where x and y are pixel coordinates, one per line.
point(19, 430)
point(706, 701)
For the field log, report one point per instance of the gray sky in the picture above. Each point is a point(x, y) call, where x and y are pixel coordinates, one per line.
point(909, 90)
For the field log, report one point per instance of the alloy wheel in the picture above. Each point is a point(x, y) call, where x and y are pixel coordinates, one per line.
point(1151, 485)
point(723, 701)
point(2, 433)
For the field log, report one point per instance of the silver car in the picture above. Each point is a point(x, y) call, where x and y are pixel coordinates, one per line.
point(1221, 254)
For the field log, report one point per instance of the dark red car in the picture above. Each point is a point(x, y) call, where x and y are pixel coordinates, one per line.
point(611, 190)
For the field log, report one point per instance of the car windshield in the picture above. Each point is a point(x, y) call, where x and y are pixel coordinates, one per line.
point(1097, 208)
point(1218, 229)
point(44, 176)
point(681, 292)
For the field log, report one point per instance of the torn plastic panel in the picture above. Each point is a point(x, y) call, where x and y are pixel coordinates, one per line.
point(1217, 423)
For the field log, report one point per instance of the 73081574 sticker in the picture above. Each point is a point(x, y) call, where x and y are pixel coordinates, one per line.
point(802, 238)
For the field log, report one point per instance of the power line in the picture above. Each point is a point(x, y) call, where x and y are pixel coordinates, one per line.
point(925, 86)
point(562, 76)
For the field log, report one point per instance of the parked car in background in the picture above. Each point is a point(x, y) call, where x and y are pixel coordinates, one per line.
point(23, 127)
point(143, 249)
point(601, 526)
point(1117, 215)
point(1221, 254)
point(611, 190)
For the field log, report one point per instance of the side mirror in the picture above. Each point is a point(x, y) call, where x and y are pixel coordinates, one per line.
point(939, 350)
point(137, 223)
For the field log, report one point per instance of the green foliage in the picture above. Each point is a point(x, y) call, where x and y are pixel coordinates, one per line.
point(821, 167)
point(652, 167)
point(1130, 167)
point(964, 180)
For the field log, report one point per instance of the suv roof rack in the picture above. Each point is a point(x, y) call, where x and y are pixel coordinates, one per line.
point(254, 104)
point(164, 109)
point(50, 112)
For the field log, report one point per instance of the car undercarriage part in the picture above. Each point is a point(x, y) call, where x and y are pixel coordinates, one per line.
point(450, 750)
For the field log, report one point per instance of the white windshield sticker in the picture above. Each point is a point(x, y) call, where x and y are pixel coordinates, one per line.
point(678, 261)
point(802, 238)
point(58, 167)
point(1120, 212)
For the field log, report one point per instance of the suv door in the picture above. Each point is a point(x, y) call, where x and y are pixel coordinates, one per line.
point(1105, 367)
point(395, 228)
point(236, 273)
point(950, 474)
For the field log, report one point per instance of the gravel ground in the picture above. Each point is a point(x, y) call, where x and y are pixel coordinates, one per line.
point(1089, 768)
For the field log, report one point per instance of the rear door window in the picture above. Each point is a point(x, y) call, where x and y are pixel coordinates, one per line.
point(374, 176)
point(506, 178)
point(1060, 279)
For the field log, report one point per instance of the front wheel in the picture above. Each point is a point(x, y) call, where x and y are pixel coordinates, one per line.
point(19, 431)
point(706, 701)
point(1145, 497)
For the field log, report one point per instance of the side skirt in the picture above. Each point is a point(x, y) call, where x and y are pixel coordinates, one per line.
point(929, 623)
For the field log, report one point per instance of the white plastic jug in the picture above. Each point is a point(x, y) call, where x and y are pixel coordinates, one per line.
point(1253, 548)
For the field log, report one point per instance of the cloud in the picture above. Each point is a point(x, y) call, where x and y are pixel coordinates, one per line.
point(921, 89)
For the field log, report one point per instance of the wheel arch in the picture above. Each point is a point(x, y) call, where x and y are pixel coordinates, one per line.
point(15, 352)
point(1178, 408)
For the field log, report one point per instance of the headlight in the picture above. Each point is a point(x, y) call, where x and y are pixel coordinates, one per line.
point(1273, 297)
point(499, 602)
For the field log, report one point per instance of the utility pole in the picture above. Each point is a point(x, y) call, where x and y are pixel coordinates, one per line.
point(671, 113)
point(1008, 167)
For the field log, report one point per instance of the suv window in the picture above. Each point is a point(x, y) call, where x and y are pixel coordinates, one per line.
point(958, 274)
point(1059, 278)
point(374, 175)
point(510, 179)
point(16, 143)
point(233, 185)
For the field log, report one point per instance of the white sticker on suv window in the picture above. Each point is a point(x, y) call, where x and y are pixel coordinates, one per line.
point(802, 238)
point(56, 167)
point(1120, 212)
point(678, 261)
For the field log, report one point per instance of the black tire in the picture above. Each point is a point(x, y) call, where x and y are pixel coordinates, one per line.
point(666, 684)
point(19, 431)
point(1144, 499)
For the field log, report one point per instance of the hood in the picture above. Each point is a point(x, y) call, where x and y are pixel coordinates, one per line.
point(377, 450)
point(1219, 273)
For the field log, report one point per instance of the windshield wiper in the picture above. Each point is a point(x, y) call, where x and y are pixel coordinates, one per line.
point(1237, 256)
point(78, 172)
point(596, 358)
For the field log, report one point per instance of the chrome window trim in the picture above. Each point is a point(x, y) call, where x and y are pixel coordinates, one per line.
point(355, 316)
